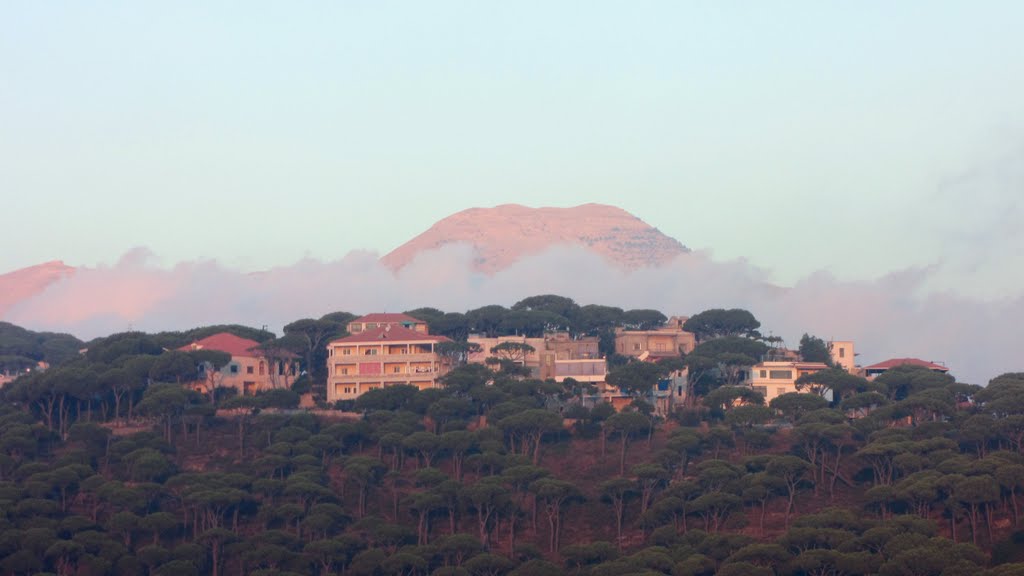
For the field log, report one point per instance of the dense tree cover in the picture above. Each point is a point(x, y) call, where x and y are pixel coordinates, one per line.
point(112, 463)
point(21, 349)
point(718, 323)
point(814, 349)
point(534, 316)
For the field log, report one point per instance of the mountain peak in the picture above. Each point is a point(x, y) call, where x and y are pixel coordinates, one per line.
point(506, 233)
point(21, 284)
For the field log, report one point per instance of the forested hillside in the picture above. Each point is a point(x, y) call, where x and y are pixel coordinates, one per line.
point(110, 463)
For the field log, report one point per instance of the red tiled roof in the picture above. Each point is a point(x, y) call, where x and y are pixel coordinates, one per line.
point(392, 333)
point(894, 362)
point(380, 317)
point(225, 342)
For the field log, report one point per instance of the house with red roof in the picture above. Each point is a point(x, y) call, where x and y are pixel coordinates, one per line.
point(380, 320)
point(387, 354)
point(871, 372)
point(251, 368)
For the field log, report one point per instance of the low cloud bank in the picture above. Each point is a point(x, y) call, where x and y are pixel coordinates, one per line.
point(893, 316)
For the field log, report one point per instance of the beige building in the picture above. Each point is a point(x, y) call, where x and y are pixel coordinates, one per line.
point(383, 356)
point(843, 355)
point(530, 359)
point(551, 356)
point(250, 370)
point(668, 340)
point(773, 378)
point(591, 371)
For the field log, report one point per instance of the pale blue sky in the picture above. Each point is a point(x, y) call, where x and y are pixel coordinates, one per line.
point(855, 137)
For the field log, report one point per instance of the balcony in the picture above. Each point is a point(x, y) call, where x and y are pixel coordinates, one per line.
point(386, 377)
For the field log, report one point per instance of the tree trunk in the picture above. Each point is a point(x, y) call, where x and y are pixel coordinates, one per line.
point(622, 454)
point(619, 507)
point(1013, 506)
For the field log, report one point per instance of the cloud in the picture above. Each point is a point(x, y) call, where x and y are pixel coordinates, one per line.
point(976, 218)
point(894, 316)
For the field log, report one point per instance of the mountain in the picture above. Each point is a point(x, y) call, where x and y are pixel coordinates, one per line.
point(27, 282)
point(504, 234)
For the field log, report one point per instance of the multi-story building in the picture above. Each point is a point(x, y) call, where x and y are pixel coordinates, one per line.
point(773, 378)
point(380, 320)
point(550, 357)
point(383, 356)
point(667, 340)
point(843, 355)
point(251, 369)
point(530, 358)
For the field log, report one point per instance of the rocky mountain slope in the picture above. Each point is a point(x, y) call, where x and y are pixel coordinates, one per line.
point(504, 234)
point(26, 282)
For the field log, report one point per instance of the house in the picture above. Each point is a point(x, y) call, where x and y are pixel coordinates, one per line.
point(843, 355)
point(386, 355)
point(251, 368)
point(773, 378)
point(548, 355)
point(872, 372)
point(564, 347)
point(381, 320)
point(529, 358)
point(667, 340)
point(590, 371)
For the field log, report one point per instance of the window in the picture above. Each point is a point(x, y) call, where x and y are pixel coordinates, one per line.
point(781, 374)
point(371, 352)
point(248, 370)
point(396, 369)
point(842, 352)
point(764, 373)
point(659, 347)
point(344, 371)
point(234, 368)
point(780, 391)
point(636, 347)
point(762, 390)
point(346, 351)
point(263, 368)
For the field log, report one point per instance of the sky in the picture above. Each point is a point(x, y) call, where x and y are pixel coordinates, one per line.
point(855, 138)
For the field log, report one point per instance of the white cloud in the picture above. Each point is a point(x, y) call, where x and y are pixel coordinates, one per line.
point(893, 316)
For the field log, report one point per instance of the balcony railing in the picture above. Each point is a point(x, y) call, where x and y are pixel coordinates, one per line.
point(411, 375)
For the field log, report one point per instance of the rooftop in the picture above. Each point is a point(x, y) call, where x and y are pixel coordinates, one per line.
point(383, 317)
point(390, 333)
point(894, 362)
point(225, 342)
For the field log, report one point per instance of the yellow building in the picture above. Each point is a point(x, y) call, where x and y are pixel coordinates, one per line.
point(383, 356)
point(668, 340)
point(843, 355)
point(774, 378)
